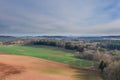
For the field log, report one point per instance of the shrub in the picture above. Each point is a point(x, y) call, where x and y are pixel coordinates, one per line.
point(113, 71)
point(102, 65)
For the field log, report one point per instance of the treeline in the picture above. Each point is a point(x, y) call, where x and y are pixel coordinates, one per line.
point(107, 44)
point(61, 44)
point(110, 44)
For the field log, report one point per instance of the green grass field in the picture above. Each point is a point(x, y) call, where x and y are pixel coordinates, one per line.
point(47, 53)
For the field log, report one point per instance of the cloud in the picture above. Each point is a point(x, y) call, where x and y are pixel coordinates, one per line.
point(59, 17)
point(107, 28)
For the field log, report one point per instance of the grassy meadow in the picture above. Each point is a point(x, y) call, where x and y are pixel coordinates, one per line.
point(47, 53)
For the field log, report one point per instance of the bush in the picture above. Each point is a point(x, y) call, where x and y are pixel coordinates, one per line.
point(102, 65)
point(113, 71)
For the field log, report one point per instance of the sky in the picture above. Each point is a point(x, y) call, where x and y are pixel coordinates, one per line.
point(60, 17)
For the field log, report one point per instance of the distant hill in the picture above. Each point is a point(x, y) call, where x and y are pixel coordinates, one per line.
point(8, 38)
point(82, 37)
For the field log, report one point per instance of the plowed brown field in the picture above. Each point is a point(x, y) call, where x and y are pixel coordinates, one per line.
point(14, 67)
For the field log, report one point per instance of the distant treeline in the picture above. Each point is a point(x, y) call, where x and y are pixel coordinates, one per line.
point(60, 44)
point(107, 44)
point(110, 44)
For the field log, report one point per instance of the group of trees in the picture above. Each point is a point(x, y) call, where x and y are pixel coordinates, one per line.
point(110, 69)
point(110, 66)
point(113, 71)
point(60, 44)
point(109, 44)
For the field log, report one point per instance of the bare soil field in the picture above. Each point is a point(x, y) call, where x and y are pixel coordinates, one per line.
point(14, 67)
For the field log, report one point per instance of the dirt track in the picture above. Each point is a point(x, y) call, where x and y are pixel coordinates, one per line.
point(29, 68)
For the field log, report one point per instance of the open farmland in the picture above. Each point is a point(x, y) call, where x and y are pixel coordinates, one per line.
point(47, 53)
point(53, 71)
point(30, 68)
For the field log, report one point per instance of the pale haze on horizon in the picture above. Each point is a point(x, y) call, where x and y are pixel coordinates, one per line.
point(59, 17)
